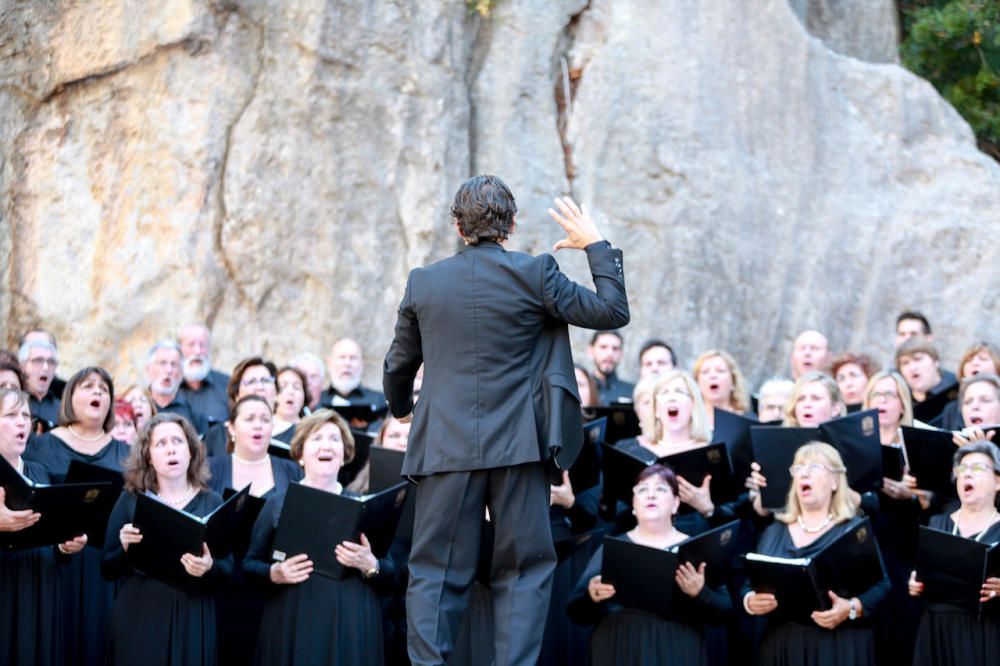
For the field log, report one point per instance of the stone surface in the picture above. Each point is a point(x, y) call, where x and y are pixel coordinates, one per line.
point(275, 168)
point(864, 29)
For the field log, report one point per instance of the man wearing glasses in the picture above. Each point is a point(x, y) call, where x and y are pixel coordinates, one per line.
point(164, 370)
point(39, 360)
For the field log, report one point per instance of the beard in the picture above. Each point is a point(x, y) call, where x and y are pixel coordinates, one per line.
point(160, 388)
point(344, 385)
point(197, 373)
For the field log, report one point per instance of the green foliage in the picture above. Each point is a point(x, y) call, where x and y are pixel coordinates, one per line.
point(955, 44)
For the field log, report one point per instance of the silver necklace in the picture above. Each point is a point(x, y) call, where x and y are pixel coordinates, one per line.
point(818, 528)
point(244, 461)
point(85, 439)
point(993, 517)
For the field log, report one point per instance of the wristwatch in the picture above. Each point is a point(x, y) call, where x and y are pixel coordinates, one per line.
point(853, 615)
point(374, 572)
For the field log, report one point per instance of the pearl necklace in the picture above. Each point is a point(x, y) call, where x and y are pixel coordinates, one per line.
point(251, 463)
point(183, 500)
point(818, 528)
point(85, 439)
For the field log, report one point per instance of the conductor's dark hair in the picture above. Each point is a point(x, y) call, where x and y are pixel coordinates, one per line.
point(661, 472)
point(598, 334)
point(484, 209)
point(655, 342)
point(913, 314)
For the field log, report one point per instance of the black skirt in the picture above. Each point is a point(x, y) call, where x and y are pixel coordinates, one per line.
point(794, 644)
point(635, 638)
point(962, 639)
point(29, 618)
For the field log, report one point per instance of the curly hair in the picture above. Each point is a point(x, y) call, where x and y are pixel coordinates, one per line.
point(139, 473)
point(484, 209)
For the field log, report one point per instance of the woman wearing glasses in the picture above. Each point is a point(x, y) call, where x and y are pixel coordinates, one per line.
point(630, 636)
point(251, 376)
point(947, 634)
point(818, 510)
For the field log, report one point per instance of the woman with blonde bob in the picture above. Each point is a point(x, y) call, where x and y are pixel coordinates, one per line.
point(815, 399)
point(721, 383)
point(818, 510)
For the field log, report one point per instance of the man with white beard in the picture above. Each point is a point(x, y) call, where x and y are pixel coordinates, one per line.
point(163, 368)
point(203, 388)
point(344, 364)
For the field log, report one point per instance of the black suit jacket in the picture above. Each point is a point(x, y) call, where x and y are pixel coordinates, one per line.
point(477, 320)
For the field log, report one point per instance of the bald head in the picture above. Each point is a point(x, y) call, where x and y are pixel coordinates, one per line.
point(810, 352)
point(344, 364)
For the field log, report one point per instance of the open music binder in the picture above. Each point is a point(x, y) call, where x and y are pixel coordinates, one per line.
point(953, 568)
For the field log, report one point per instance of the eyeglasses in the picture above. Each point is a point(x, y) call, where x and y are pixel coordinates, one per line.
point(258, 381)
point(888, 395)
point(43, 361)
point(646, 491)
point(666, 393)
point(812, 468)
point(975, 468)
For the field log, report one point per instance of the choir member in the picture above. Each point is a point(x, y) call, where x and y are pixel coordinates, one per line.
point(655, 357)
point(345, 364)
point(84, 434)
point(949, 635)
point(239, 606)
point(642, 404)
point(851, 371)
point(772, 398)
point(810, 353)
point(721, 383)
point(815, 399)
point(680, 424)
point(818, 510)
point(980, 400)
point(912, 324)
point(251, 376)
point(586, 386)
point(142, 404)
point(202, 387)
point(10, 376)
point(39, 360)
point(29, 612)
point(392, 434)
point(918, 361)
point(605, 351)
point(164, 369)
point(630, 636)
point(311, 366)
point(155, 621)
point(291, 401)
point(311, 618)
point(980, 358)
point(125, 429)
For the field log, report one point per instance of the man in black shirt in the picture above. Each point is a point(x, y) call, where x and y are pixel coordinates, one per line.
point(605, 351)
point(39, 360)
point(345, 364)
point(163, 367)
point(203, 388)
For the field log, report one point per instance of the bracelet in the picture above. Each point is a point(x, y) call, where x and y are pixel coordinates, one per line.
point(373, 571)
point(62, 550)
point(746, 604)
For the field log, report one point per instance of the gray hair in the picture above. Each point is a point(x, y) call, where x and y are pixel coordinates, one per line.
point(776, 385)
point(309, 358)
point(983, 446)
point(162, 344)
point(25, 350)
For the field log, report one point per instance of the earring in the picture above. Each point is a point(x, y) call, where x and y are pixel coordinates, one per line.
point(302, 463)
point(633, 512)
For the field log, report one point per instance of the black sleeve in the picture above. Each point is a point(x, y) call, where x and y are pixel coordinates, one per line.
point(114, 563)
point(579, 306)
point(714, 604)
point(403, 358)
point(581, 608)
point(222, 567)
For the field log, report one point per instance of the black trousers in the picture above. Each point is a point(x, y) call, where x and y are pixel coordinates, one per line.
point(447, 530)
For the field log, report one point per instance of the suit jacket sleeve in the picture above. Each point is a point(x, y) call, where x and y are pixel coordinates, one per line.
point(403, 359)
point(579, 306)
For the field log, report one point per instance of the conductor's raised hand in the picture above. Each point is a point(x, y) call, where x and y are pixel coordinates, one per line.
point(576, 222)
point(292, 571)
point(196, 565)
point(15, 521)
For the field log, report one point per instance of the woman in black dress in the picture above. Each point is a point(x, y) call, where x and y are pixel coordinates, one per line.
point(84, 434)
point(251, 376)
point(312, 619)
point(630, 636)
point(29, 620)
point(290, 402)
point(153, 621)
point(240, 605)
point(954, 636)
point(818, 510)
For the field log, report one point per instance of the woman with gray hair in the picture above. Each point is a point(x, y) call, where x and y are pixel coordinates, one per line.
point(948, 634)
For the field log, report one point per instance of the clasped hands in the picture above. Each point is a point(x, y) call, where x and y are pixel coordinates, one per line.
point(195, 565)
point(298, 568)
point(762, 603)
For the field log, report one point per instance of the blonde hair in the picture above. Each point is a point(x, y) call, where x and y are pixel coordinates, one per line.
point(972, 351)
point(841, 506)
point(698, 428)
point(645, 387)
point(902, 388)
point(739, 400)
point(812, 377)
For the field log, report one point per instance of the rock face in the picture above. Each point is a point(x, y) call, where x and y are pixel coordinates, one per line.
point(275, 168)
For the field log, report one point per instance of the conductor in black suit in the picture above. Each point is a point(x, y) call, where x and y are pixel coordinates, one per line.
point(478, 438)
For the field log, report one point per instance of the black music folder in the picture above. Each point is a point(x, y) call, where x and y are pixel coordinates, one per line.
point(246, 517)
point(849, 565)
point(855, 436)
point(620, 471)
point(734, 430)
point(695, 464)
point(314, 522)
point(67, 509)
point(384, 471)
point(81, 472)
point(622, 422)
point(953, 569)
point(893, 462)
point(362, 444)
point(643, 576)
point(716, 548)
point(279, 449)
point(930, 452)
point(168, 533)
